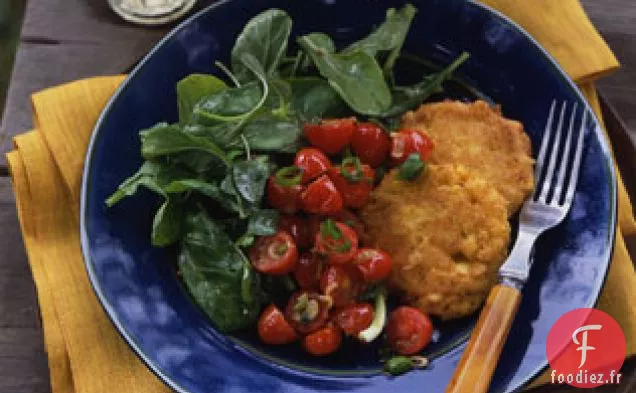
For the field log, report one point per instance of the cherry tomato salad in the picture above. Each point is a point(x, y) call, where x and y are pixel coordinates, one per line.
point(259, 180)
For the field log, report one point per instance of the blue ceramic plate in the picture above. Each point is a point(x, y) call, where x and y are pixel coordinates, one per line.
point(137, 285)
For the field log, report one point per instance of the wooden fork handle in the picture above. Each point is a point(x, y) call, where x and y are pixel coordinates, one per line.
point(477, 365)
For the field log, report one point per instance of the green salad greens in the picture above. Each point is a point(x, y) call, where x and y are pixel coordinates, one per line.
point(211, 167)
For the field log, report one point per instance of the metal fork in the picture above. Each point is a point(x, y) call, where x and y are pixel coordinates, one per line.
point(546, 208)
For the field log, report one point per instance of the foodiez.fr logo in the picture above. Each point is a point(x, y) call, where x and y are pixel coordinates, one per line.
point(586, 348)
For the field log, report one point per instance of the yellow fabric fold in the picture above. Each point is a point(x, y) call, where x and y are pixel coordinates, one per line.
point(563, 28)
point(85, 352)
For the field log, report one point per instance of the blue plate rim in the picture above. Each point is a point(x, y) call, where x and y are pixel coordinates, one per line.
point(110, 311)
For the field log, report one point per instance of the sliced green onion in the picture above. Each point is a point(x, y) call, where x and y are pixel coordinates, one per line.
point(411, 168)
point(401, 364)
point(357, 174)
point(329, 230)
point(379, 320)
point(289, 176)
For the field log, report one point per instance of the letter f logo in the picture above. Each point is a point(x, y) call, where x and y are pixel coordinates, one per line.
point(584, 347)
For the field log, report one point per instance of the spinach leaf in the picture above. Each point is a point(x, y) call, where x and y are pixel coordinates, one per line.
point(250, 177)
point(356, 76)
point(227, 201)
point(191, 89)
point(153, 175)
point(263, 222)
point(218, 275)
point(409, 97)
point(166, 227)
point(229, 105)
point(265, 37)
point(270, 133)
point(312, 97)
point(389, 36)
point(164, 139)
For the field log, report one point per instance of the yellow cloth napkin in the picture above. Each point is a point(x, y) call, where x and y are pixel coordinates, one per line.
point(86, 355)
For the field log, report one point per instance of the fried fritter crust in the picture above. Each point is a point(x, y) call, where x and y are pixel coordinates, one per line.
point(479, 137)
point(447, 233)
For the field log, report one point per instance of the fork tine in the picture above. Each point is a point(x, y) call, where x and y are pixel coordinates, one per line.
point(544, 143)
point(576, 165)
point(554, 152)
point(558, 188)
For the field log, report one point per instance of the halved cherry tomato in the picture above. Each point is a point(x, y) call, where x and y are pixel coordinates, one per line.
point(409, 141)
point(336, 241)
point(273, 328)
point(346, 216)
point(371, 143)
point(298, 227)
point(354, 318)
point(331, 135)
point(354, 181)
point(321, 197)
point(312, 162)
point(308, 271)
point(323, 342)
point(307, 311)
point(276, 254)
point(342, 283)
point(409, 330)
point(284, 190)
point(374, 264)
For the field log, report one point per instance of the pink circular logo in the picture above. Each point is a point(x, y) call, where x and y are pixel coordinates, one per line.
point(586, 348)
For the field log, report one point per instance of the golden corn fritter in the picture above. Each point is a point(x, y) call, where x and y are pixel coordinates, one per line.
point(479, 137)
point(447, 233)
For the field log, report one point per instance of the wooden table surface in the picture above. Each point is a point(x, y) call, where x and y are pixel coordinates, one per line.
point(63, 40)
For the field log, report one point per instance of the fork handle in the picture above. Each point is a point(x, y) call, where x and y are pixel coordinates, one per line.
point(477, 365)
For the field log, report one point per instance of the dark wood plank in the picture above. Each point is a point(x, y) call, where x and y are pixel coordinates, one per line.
point(18, 301)
point(616, 21)
point(34, 70)
point(23, 364)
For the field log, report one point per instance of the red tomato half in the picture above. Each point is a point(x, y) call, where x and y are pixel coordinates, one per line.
point(409, 141)
point(331, 135)
point(275, 255)
point(321, 197)
point(374, 264)
point(409, 330)
point(273, 328)
point(312, 162)
point(342, 283)
point(307, 311)
point(323, 342)
point(354, 181)
point(371, 143)
point(355, 318)
point(308, 271)
point(336, 241)
point(298, 227)
point(284, 190)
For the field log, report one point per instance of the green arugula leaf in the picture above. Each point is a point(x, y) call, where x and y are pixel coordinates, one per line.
point(265, 37)
point(191, 89)
point(164, 139)
point(263, 222)
point(250, 177)
point(409, 97)
point(218, 275)
point(313, 97)
point(166, 227)
point(356, 76)
point(229, 105)
point(389, 36)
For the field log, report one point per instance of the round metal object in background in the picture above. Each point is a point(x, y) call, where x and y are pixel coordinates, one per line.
point(151, 12)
